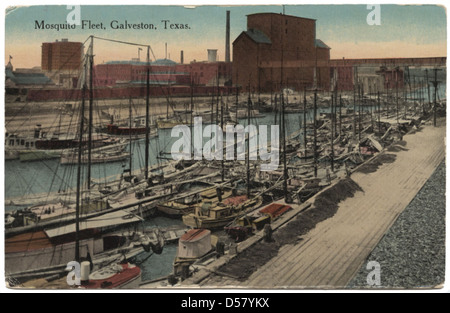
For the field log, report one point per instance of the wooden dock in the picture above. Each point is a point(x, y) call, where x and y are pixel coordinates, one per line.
point(330, 254)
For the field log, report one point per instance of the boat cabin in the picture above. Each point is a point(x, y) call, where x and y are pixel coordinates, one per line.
point(195, 243)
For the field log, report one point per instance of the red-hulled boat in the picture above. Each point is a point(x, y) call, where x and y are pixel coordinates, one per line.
point(115, 276)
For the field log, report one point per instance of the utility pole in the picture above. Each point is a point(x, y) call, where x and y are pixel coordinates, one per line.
point(248, 146)
point(354, 110)
point(396, 92)
point(379, 112)
point(315, 132)
point(359, 111)
point(435, 84)
point(332, 133)
point(340, 114)
point(428, 88)
point(221, 126)
point(305, 139)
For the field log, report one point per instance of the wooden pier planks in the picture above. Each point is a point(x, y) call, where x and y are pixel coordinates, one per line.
point(330, 254)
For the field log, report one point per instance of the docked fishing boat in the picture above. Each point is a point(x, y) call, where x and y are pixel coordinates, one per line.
point(42, 146)
point(114, 276)
point(193, 245)
point(214, 216)
point(250, 223)
point(36, 255)
point(243, 113)
point(170, 123)
point(107, 154)
point(185, 204)
point(137, 129)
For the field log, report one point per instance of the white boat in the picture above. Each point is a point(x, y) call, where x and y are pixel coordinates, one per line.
point(193, 245)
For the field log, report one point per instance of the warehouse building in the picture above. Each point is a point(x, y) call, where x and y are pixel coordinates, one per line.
point(280, 51)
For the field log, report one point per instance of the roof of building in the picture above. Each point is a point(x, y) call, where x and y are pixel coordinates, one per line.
point(257, 36)
point(27, 78)
point(280, 14)
point(134, 62)
point(164, 62)
point(321, 44)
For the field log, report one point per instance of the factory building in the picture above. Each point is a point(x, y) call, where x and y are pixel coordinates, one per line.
point(280, 51)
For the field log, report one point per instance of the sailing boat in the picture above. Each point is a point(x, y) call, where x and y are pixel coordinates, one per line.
point(46, 252)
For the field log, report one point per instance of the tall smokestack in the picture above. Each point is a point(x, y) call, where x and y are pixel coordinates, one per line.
point(182, 57)
point(166, 51)
point(227, 39)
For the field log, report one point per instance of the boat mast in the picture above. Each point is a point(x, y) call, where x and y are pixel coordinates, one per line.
point(248, 145)
point(80, 149)
point(218, 97)
point(285, 174)
point(221, 126)
point(91, 101)
point(147, 117)
point(131, 137)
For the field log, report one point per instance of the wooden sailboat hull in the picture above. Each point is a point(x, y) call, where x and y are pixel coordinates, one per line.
point(95, 159)
point(207, 223)
point(175, 211)
point(37, 155)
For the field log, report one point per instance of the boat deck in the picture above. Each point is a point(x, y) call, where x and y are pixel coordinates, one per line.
point(329, 255)
point(27, 242)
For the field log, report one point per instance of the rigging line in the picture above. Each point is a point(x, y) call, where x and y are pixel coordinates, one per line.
point(15, 115)
point(123, 42)
point(22, 182)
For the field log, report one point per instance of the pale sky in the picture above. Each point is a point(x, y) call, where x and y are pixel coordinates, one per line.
point(405, 30)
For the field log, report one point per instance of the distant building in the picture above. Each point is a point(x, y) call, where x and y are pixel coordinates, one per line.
point(25, 78)
point(211, 73)
point(372, 75)
point(61, 55)
point(280, 50)
point(61, 61)
point(163, 72)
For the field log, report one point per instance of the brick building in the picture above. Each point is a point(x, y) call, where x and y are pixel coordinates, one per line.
point(61, 55)
point(61, 61)
point(162, 72)
point(278, 49)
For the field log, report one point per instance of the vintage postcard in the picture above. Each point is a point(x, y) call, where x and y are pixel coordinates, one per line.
point(196, 147)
